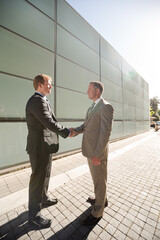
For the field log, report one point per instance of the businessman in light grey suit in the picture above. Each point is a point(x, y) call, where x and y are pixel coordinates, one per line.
point(96, 131)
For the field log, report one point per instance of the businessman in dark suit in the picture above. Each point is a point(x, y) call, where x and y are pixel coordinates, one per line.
point(42, 141)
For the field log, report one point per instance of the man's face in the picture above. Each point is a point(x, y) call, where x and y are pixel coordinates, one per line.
point(92, 92)
point(46, 87)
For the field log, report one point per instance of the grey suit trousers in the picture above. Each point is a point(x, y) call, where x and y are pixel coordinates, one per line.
point(41, 169)
point(99, 177)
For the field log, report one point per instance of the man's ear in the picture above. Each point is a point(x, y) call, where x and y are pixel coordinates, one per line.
point(39, 85)
point(98, 92)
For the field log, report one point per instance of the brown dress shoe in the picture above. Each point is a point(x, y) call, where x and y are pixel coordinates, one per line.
point(92, 201)
point(90, 220)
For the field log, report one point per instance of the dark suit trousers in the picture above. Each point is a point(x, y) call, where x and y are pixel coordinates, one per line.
point(39, 180)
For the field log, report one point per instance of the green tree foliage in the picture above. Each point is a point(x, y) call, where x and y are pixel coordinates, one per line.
point(151, 112)
point(154, 104)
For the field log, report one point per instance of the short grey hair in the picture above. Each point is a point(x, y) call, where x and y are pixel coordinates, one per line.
point(98, 85)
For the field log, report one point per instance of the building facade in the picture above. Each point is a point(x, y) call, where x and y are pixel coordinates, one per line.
point(50, 37)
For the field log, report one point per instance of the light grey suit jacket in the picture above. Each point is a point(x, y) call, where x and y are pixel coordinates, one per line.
point(96, 130)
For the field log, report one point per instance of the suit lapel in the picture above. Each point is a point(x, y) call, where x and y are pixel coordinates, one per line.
point(93, 112)
point(49, 107)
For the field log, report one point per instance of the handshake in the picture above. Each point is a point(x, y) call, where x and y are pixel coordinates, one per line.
point(73, 133)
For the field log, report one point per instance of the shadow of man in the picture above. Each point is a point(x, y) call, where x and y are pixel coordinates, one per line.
point(16, 228)
point(75, 230)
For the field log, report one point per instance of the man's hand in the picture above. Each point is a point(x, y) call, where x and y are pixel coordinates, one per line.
point(73, 132)
point(96, 161)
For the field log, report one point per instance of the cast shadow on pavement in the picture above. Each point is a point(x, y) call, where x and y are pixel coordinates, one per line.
point(18, 227)
point(75, 230)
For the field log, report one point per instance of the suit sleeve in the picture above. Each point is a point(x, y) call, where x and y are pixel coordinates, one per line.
point(38, 107)
point(105, 130)
point(79, 129)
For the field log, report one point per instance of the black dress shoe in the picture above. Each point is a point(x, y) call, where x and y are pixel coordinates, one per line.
point(90, 220)
point(92, 201)
point(49, 202)
point(39, 222)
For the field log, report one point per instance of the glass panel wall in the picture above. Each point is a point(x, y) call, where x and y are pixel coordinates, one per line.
point(51, 37)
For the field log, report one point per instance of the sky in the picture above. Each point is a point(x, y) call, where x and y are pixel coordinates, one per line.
point(132, 27)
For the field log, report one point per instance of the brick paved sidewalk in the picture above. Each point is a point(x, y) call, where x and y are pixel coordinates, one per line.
point(134, 202)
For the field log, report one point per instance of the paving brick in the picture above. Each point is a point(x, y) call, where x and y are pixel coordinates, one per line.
point(142, 217)
point(110, 229)
point(102, 223)
point(128, 238)
point(149, 228)
point(127, 222)
point(77, 236)
point(155, 238)
point(123, 228)
point(136, 228)
point(145, 234)
point(105, 235)
point(36, 235)
point(97, 229)
point(153, 216)
point(91, 236)
point(157, 233)
point(119, 235)
point(118, 217)
point(62, 235)
point(130, 217)
point(60, 217)
point(133, 235)
point(70, 229)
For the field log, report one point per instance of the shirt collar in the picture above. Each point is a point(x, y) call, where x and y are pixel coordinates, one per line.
point(98, 100)
point(40, 94)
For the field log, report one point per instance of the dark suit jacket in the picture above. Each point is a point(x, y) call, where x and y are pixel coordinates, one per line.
point(43, 128)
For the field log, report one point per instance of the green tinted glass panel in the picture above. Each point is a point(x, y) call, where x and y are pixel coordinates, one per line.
point(46, 6)
point(66, 16)
point(74, 50)
point(129, 98)
point(128, 70)
point(129, 128)
point(110, 72)
point(65, 144)
point(118, 111)
point(129, 112)
point(110, 54)
point(14, 94)
point(13, 142)
point(71, 104)
point(112, 91)
point(117, 130)
point(21, 57)
point(24, 19)
point(19, 90)
point(72, 76)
